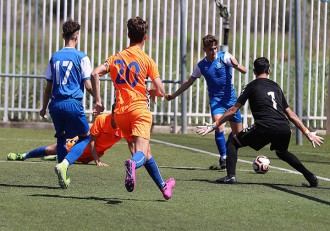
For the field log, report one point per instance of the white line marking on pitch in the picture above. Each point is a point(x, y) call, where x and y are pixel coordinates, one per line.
point(217, 155)
point(18, 139)
point(29, 162)
point(173, 145)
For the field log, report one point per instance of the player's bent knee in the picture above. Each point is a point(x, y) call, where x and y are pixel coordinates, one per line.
point(51, 150)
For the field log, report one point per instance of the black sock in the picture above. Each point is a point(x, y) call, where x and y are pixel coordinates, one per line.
point(231, 161)
point(294, 162)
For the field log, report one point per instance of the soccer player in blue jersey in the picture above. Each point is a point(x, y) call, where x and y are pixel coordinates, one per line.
point(216, 68)
point(68, 72)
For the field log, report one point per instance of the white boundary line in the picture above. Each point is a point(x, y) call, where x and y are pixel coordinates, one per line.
point(18, 139)
point(29, 162)
point(217, 155)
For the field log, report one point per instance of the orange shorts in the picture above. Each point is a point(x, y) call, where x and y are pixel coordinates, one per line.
point(135, 123)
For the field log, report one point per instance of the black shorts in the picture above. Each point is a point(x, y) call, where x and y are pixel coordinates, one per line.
point(258, 138)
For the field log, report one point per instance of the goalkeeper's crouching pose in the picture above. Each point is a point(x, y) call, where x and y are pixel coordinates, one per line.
point(271, 113)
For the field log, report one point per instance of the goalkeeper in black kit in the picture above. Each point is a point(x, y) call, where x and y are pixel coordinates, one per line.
point(271, 112)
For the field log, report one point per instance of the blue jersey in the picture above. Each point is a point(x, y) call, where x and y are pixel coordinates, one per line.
point(218, 76)
point(68, 68)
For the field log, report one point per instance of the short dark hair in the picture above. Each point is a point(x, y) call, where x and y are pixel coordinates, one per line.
point(261, 65)
point(209, 40)
point(69, 28)
point(137, 29)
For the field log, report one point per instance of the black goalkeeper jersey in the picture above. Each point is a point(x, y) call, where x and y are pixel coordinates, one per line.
point(267, 103)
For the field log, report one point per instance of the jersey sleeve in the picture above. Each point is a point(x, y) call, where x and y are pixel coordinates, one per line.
point(284, 102)
point(227, 60)
point(244, 94)
point(107, 63)
point(49, 76)
point(153, 70)
point(86, 68)
point(197, 72)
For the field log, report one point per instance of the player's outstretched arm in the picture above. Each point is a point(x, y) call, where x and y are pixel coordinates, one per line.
point(238, 66)
point(311, 136)
point(207, 128)
point(86, 70)
point(88, 87)
point(48, 91)
point(181, 89)
point(94, 152)
point(158, 91)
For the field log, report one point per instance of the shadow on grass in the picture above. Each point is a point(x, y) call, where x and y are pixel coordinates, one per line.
point(28, 186)
point(111, 201)
point(273, 186)
point(279, 187)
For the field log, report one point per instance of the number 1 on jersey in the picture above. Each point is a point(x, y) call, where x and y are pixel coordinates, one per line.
point(272, 95)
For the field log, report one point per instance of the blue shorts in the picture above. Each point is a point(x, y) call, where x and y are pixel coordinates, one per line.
point(220, 108)
point(68, 118)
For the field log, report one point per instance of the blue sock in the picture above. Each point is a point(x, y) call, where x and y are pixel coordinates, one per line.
point(220, 140)
point(153, 171)
point(139, 158)
point(38, 152)
point(77, 149)
point(61, 149)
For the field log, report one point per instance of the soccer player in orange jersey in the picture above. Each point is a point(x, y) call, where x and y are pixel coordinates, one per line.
point(104, 134)
point(129, 70)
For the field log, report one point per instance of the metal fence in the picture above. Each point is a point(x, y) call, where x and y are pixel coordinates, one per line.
point(30, 31)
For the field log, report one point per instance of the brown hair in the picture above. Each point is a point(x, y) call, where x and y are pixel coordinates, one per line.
point(209, 40)
point(69, 28)
point(137, 29)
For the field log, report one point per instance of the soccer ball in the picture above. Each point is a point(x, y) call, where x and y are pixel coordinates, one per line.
point(261, 164)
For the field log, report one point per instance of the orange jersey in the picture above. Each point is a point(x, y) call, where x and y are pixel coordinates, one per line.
point(129, 70)
point(106, 137)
